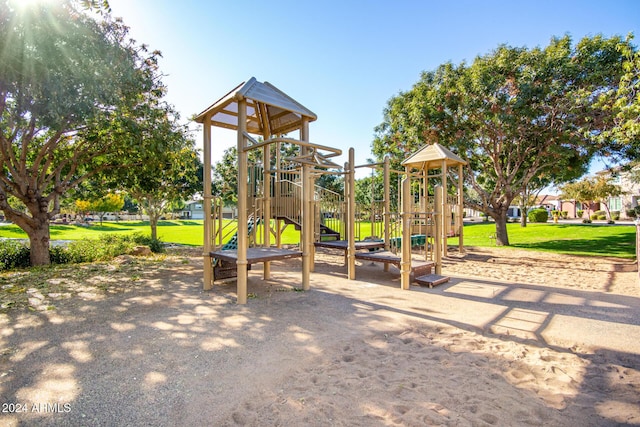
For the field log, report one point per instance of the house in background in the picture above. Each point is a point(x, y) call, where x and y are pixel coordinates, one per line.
point(193, 210)
point(549, 202)
point(630, 197)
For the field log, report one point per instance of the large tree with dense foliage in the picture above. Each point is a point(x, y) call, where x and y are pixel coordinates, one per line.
point(515, 115)
point(71, 88)
point(163, 178)
point(623, 103)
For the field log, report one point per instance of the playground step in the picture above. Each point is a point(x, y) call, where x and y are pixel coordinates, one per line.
point(225, 269)
point(431, 280)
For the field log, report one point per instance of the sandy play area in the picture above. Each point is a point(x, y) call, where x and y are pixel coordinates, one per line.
point(515, 338)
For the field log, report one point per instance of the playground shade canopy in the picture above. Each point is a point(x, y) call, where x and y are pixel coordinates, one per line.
point(431, 157)
point(268, 108)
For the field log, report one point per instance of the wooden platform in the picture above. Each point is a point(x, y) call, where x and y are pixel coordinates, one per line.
point(226, 266)
point(418, 267)
point(256, 255)
point(344, 245)
point(431, 280)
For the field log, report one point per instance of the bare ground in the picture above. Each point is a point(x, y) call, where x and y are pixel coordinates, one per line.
point(515, 338)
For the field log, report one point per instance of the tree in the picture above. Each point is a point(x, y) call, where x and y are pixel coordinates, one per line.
point(515, 115)
point(112, 202)
point(70, 89)
point(526, 200)
point(331, 182)
point(83, 207)
point(623, 102)
point(580, 191)
point(603, 190)
point(225, 177)
point(157, 186)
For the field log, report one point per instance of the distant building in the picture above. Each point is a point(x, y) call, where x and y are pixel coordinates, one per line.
point(193, 210)
point(630, 197)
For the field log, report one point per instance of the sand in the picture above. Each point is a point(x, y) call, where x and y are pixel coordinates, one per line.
point(515, 338)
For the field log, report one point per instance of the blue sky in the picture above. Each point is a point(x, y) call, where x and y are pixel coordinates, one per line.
point(344, 59)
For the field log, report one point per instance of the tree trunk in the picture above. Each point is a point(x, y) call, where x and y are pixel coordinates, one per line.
point(153, 222)
point(523, 216)
point(39, 243)
point(502, 238)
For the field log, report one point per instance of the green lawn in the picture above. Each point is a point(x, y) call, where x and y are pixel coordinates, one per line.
point(579, 239)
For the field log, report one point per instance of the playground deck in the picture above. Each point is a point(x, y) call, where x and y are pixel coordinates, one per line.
point(256, 255)
point(344, 245)
point(418, 267)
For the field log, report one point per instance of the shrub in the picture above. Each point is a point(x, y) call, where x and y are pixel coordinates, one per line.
point(631, 213)
point(586, 221)
point(14, 254)
point(59, 255)
point(106, 247)
point(593, 216)
point(611, 221)
point(155, 245)
point(615, 215)
point(565, 214)
point(600, 213)
point(538, 215)
point(579, 213)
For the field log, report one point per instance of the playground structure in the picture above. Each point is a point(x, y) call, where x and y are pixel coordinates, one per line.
point(423, 221)
point(434, 162)
point(277, 190)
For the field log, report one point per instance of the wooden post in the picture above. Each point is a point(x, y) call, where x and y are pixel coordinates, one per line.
point(351, 212)
point(242, 204)
point(387, 206)
point(638, 245)
point(424, 207)
point(460, 210)
point(278, 193)
point(307, 194)
point(405, 259)
point(438, 205)
point(446, 219)
point(266, 215)
point(206, 207)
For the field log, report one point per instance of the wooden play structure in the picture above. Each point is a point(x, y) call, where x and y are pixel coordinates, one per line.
point(277, 190)
point(255, 108)
point(413, 236)
point(434, 163)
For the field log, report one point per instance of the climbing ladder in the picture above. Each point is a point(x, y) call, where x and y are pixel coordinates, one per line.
point(226, 269)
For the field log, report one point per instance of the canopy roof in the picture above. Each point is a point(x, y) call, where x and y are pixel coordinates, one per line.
point(268, 109)
point(431, 157)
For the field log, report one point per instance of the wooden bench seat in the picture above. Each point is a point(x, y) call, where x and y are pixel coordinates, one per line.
point(418, 267)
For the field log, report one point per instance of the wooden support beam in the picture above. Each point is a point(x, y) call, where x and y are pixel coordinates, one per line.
point(242, 205)
point(206, 207)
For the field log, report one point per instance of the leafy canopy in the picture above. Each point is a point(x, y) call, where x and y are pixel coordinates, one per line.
point(72, 91)
point(518, 116)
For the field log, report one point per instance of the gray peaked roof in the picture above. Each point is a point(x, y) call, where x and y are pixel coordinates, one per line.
point(431, 157)
point(268, 108)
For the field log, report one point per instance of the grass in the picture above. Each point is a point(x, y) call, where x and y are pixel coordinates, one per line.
point(578, 239)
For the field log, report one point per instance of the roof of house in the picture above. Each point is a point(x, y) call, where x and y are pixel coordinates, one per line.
point(546, 198)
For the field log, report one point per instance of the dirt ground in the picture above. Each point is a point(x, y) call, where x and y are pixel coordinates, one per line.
point(515, 338)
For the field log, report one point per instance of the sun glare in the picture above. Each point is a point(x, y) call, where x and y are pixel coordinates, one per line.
point(23, 4)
